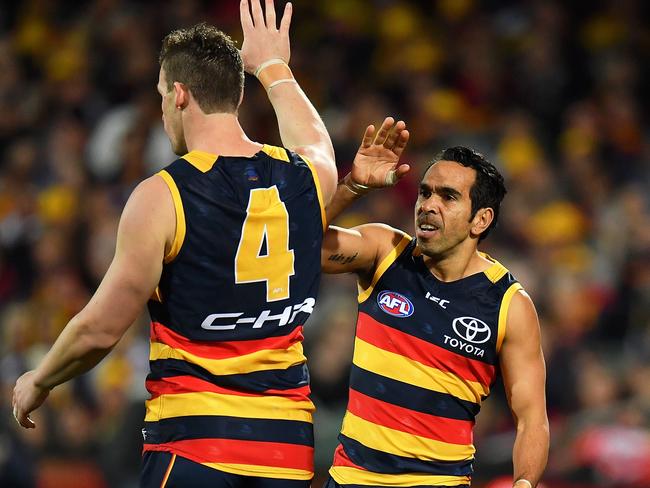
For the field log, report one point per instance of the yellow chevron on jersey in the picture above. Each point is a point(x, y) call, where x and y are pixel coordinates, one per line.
point(409, 371)
point(276, 152)
point(201, 160)
point(495, 272)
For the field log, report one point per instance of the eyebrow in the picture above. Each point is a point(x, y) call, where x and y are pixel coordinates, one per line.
point(447, 190)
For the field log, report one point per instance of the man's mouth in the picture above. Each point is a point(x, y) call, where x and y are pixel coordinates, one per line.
point(426, 229)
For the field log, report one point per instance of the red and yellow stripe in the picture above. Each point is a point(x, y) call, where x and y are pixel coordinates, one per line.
point(424, 352)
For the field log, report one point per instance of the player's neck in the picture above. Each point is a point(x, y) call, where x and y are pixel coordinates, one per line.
point(219, 134)
point(459, 264)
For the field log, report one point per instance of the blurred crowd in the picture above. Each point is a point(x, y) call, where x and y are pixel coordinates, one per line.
point(551, 92)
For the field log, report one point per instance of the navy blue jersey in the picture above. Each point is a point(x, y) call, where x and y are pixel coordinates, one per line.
point(425, 357)
point(229, 384)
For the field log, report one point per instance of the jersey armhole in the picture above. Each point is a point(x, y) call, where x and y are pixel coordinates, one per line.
point(503, 313)
point(319, 193)
point(390, 258)
point(179, 234)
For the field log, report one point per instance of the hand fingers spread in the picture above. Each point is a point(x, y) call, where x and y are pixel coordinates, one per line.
point(245, 16)
point(402, 140)
point(384, 130)
point(270, 15)
point(286, 19)
point(393, 135)
point(258, 16)
point(368, 136)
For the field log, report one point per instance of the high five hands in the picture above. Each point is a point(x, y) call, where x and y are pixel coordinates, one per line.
point(376, 164)
point(262, 39)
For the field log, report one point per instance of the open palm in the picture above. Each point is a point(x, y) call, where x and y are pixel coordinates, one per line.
point(376, 163)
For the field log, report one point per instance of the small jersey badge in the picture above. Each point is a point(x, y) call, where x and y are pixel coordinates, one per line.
point(395, 304)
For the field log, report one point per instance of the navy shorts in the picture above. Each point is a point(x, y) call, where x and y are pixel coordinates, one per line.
point(166, 470)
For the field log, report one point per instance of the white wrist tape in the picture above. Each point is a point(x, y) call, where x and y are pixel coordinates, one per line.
point(268, 63)
point(523, 480)
point(277, 82)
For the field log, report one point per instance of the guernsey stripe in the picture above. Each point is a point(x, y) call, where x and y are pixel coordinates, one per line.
point(262, 471)
point(222, 349)
point(363, 457)
point(189, 384)
point(266, 407)
point(341, 458)
point(353, 476)
point(222, 427)
point(396, 442)
point(276, 454)
point(257, 381)
point(410, 421)
point(393, 340)
point(401, 368)
point(410, 396)
point(256, 361)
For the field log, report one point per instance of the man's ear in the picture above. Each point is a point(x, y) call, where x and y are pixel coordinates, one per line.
point(482, 220)
point(181, 95)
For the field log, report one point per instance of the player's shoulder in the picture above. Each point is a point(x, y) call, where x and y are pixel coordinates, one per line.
point(151, 187)
point(284, 155)
point(385, 237)
point(383, 231)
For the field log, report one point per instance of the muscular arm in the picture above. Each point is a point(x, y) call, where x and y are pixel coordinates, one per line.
point(358, 250)
point(301, 128)
point(524, 376)
point(146, 227)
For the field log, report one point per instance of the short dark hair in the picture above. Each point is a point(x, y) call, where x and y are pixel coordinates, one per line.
point(205, 60)
point(489, 188)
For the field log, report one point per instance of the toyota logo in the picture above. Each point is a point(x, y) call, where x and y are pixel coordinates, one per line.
point(472, 329)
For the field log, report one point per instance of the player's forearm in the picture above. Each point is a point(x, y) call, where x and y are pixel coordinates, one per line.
point(77, 350)
point(298, 121)
point(347, 192)
point(530, 452)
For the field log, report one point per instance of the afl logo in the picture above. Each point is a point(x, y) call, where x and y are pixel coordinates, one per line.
point(472, 329)
point(395, 304)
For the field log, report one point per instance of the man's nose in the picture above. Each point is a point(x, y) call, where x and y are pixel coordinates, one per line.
point(429, 205)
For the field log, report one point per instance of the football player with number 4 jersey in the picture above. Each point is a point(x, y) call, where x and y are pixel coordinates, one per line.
point(224, 245)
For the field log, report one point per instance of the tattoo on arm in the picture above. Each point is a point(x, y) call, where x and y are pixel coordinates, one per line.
point(342, 258)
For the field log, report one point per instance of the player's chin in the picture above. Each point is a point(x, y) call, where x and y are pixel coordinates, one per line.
point(426, 235)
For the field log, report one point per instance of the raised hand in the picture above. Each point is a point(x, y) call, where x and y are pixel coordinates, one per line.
point(376, 164)
point(262, 39)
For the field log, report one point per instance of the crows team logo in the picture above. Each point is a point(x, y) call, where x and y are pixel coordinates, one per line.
point(395, 304)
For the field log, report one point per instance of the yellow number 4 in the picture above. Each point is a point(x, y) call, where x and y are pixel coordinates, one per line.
point(267, 220)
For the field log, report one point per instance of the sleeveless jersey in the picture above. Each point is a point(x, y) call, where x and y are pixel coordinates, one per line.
point(425, 357)
point(229, 385)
